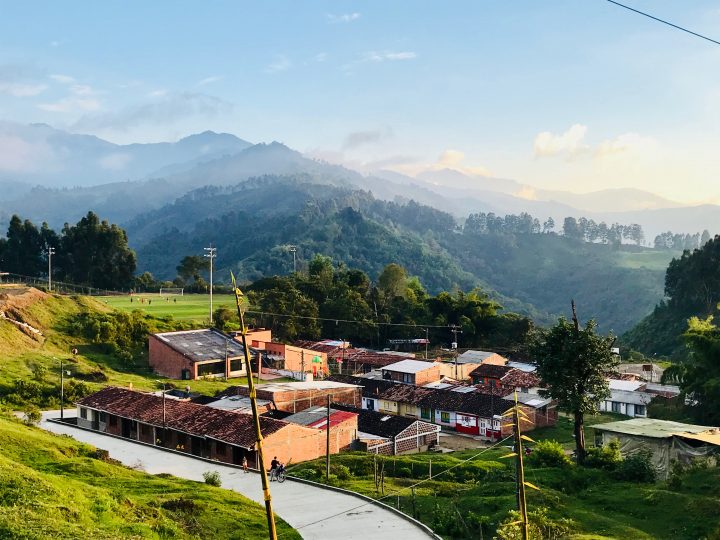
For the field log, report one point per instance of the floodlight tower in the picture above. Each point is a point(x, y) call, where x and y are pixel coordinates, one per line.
point(211, 253)
point(293, 250)
point(50, 252)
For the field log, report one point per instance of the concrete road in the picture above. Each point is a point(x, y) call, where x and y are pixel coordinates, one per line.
point(315, 512)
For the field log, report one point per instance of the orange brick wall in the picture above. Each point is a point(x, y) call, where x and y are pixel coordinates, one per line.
point(425, 376)
point(298, 400)
point(166, 361)
point(294, 444)
point(447, 369)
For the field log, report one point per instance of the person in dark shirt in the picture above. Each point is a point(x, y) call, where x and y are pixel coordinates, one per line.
point(274, 464)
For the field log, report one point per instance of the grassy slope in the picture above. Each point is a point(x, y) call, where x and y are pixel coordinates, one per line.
point(599, 506)
point(20, 352)
point(52, 487)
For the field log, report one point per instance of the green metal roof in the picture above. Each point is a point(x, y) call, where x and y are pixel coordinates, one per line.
point(650, 427)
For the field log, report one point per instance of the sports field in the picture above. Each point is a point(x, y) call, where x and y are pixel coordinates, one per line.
point(190, 307)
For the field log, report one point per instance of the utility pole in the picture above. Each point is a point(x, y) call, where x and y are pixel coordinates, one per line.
point(302, 364)
point(327, 444)
point(455, 329)
point(62, 390)
point(427, 341)
point(293, 250)
point(522, 503)
point(50, 252)
point(211, 254)
point(256, 417)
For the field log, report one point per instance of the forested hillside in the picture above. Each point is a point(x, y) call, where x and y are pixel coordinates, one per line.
point(254, 224)
point(692, 287)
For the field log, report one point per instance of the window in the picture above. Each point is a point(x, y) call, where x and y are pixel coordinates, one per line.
point(492, 383)
point(425, 413)
point(371, 404)
point(220, 448)
point(102, 417)
point(113, 420)
point(144, 430)
point(211, 368)
point(445, 417)
point(407, 378)
point(639, 410)
point(615, 406)
point(83, 413)
point(236, 364)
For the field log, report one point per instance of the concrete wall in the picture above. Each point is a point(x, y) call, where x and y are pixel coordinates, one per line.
point(296, 358)
point(447, 369)
point(298, 400)
point(425, 376)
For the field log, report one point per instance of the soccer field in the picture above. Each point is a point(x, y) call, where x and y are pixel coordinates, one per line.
point(190, 307)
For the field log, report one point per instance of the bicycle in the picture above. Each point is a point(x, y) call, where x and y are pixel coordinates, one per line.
point(281, 475)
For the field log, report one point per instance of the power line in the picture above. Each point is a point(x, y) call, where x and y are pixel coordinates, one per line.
point(372, 323)
point(664, 22)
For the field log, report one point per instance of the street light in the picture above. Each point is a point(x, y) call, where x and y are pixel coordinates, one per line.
point(211, 254)
point(50, 252)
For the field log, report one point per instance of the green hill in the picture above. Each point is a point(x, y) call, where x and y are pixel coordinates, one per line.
point(692, 287)
point(254, 223)
point(54, 487)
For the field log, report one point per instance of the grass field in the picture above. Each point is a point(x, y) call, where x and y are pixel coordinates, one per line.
point(472, 491)
point(189, 307)
point(55, 487)
point(652, 259)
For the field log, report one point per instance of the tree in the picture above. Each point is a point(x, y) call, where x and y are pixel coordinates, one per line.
point(191, 266)
point(574, 363)
point(549, 225)
point(571, 229)
point(704, 238)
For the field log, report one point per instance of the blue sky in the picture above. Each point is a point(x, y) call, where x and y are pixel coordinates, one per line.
point(560, 94)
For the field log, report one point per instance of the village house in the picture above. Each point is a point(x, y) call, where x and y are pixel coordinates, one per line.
point(380, 433)
point(504, 378)
point(539, 411)
point(343, 425)
point(482, 357)
point(192, 354)
point(290, 360)
point(195, 429)
point(417, 372)
point(293, 397)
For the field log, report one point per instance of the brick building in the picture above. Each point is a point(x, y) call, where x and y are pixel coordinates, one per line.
point(191, 354)
point(294, 397)
point(343, 425)
point(195, 429)
point(417, 372)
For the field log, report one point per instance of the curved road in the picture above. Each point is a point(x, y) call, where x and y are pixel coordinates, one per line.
point(316, 513)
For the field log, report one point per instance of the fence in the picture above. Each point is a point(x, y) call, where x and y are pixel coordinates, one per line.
point(8, 278)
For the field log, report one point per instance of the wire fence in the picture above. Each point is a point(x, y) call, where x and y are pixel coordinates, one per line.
point(9, 278)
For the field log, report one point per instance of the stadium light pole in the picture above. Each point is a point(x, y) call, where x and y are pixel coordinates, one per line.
point(293, 250)
point(211, 253)
point(50, 252)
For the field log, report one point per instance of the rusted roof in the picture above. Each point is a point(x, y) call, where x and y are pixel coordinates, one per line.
point(197, 420)
point(490, 370)
point(523, 379)
point(202, 345)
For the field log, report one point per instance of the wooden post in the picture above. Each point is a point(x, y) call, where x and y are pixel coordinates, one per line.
point(522, 504)
point(327, 444)
point(256, 417)
point(414, 505)
point(430, 475)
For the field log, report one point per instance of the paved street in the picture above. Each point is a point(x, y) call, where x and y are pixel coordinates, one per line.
point(315, 512)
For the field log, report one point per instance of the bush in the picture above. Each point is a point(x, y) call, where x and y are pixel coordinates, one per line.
point(212, 478)
point(604, 457)
point(541, 526)
point(341, 471)
point(32, 415)
point(637, 467)
point(549, 454)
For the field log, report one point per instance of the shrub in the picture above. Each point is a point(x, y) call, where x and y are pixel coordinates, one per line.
point(212, 478)
point(604, 457)
point(341, 471)
point(32, 415)
point(637, 467)
point(541, 526)
point(549, 454)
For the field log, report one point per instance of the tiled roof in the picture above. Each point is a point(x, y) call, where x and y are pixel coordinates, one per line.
point(380, 424)
point(490, 370)
point(523, 379)
point(197, 420)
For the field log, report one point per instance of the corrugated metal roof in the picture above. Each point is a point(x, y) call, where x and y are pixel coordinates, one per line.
point(202, 345)
point(629, 386)
point(409, 366)
point(651, 427)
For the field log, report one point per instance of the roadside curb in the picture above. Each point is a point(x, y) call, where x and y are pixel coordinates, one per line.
point(424, 528)
point(427, 530)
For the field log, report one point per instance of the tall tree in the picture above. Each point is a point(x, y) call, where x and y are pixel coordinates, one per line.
point(574, 364)
point(191, 267)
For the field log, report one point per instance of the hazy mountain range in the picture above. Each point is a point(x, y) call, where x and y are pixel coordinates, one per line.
point(47, 174)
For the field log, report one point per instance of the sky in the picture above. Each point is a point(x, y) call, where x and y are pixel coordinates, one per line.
point(560, 94)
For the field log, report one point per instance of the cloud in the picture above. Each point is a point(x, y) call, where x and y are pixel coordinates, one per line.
point(82, 98)
point(360, 138)
point(343, 18)
point(375, 56)
point(569, 144)
point(170, 109)
point(21, 81)
point(63, 79)
point(281, 63)
point(20, 153)
point(448, 159)
point(158, 93)
point(624, 144)
point(209, 80)
point(115, 162)
point(21, 90)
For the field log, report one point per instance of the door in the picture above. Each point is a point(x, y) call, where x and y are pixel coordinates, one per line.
point(126, 426)
point(370, 404)
point(196, 444)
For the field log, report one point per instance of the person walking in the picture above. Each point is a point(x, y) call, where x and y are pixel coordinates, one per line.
point(245, 465)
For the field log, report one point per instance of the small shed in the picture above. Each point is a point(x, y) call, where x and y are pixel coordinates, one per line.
point(665, 439)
